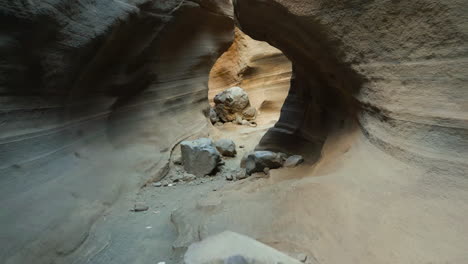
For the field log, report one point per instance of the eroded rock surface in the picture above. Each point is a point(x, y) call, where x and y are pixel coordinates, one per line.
point(233, 248)
point(199, 157)
point(93, 95)
point(233, 104)
point(259, 160)
point(293, 161)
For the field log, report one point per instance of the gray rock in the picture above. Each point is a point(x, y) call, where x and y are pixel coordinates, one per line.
point(241, 174)
point(234, 98)
point(226, 147)
point(293, 161)
point(199, 157)
point(233, 248)
point(237, 259)
point(140, 207)
point(177, 160)
point(229, 177)
point(183, 177)
point(157, 184)
point(301, 257)
point(244, 159)
point(259, 160)
point(266, 171)
point(231, 103)
point(213, 116)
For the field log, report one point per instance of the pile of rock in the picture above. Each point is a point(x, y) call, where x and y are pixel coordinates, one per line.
point(263, 161)
point(232, 105)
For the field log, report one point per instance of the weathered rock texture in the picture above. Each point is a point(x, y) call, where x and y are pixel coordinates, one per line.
point(199, 157)
point(260, 69)
point(395, 187)
point(400, 62)
point(93, 95)
point(233, 104)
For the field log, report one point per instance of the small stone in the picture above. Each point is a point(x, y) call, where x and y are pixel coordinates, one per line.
point(165, 183)
point(241, 146)
point(293, 161)
point(171, 184)
point(157, 184)
point(245, 123)
point(229, 177)
point(244, 159)
point(231, 103)
point(140, 207)
point(266, 171)
point(219, 124)
point(241, 174)
point(301, 257)
point(226, 147)
point(259, 160)
point(213, 116)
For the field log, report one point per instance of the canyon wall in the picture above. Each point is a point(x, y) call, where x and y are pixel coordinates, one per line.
point(260, 69)
point(400, 63)
point(378, 105)
point(94, 95)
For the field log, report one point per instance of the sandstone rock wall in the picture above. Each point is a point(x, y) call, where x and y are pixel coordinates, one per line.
point(396, 66)
point(258, 68)
point(93, 96)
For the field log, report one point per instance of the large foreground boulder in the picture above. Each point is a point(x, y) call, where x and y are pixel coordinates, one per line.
point(230, 247)
point(232, 104)
point(200, 156)
point(259, 160)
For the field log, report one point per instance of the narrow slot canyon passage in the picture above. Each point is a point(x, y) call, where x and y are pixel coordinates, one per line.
point(233, 131)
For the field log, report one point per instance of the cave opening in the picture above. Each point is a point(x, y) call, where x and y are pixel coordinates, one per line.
point(261, 70)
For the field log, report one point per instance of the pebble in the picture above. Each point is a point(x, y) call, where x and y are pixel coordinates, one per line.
point(302, 257)
point(157, 184)
point(140, 207)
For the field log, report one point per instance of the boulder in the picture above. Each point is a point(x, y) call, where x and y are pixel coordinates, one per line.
point(233, 248)
point(259, 160)
point(199, 157)
point(231, 104)
point(293, 161)
point(226, 147)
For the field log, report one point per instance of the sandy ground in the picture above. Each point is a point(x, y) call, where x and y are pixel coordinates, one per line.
point(123, 236)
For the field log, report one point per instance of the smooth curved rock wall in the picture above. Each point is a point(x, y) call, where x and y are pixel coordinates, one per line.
point(397, 67)
point(94, 94)
point(260, 69)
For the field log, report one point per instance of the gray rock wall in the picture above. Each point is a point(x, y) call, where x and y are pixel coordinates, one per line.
point(93, 95)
